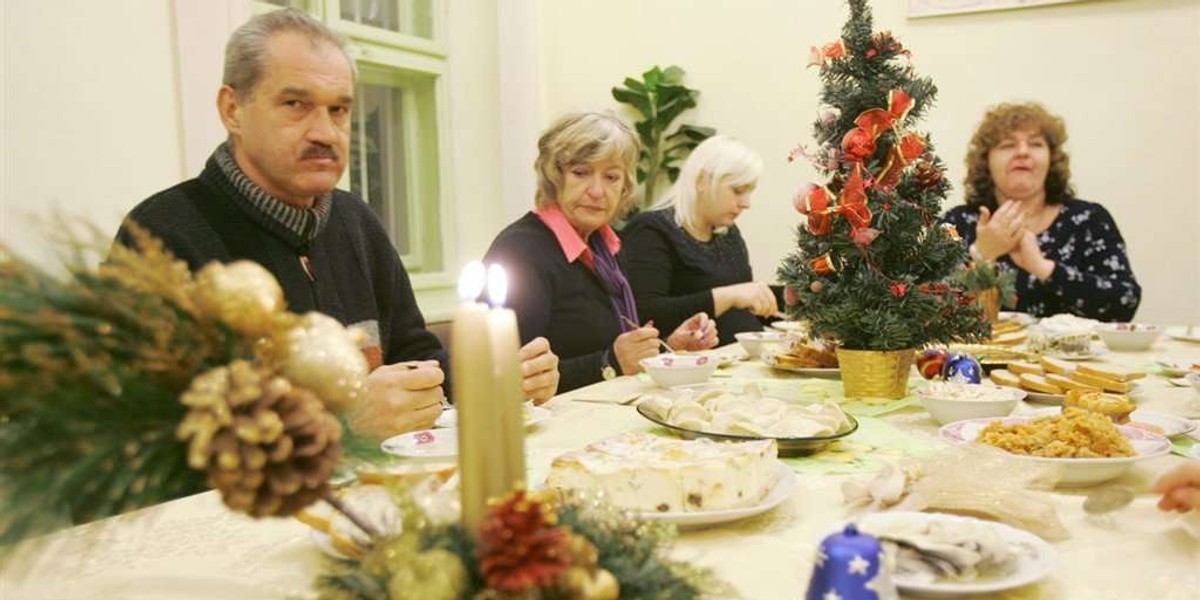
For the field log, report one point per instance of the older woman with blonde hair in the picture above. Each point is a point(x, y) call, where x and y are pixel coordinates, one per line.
point(686, 254)
point(564, 280)
point(1021, 212)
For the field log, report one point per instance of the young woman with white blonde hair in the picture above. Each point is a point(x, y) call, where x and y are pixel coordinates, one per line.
point(686, 254)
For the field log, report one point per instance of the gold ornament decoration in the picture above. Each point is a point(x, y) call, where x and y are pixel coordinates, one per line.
point(242, 294)
point(269, 447)
point(320, 355)
point(434, 575)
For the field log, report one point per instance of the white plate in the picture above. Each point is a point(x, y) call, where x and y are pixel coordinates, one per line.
point(726, 355)
point(428, 444)
point(1135, 394)
point(536, 414)
point(1073, 471)
point(1171, 425)
point(1185, 334)
point(1035, 559)
point(785, 486)
point(1175, 367)
point(822, 372)
point(1019, 317)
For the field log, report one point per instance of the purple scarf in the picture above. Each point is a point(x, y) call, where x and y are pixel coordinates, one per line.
point(614, 282)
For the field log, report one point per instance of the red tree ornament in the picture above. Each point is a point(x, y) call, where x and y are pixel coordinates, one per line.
point(815, 207)
point(789, 296)
point(858, 145)
point(823, 265)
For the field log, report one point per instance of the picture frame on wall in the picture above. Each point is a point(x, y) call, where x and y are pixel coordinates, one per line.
point(937, 8)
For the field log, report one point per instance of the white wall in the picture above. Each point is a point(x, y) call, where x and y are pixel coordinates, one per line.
point(1124, 73)
point(90, 112)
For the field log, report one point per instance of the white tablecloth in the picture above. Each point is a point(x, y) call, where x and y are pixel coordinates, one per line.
point(195, 548)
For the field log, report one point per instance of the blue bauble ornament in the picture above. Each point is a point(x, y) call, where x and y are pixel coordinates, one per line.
point(962, 368)
point(850, 566)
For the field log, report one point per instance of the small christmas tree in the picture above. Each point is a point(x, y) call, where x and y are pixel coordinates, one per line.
point(871, 269)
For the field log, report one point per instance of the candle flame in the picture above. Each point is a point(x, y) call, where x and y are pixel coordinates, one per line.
point(471, 282)
point(497, 284)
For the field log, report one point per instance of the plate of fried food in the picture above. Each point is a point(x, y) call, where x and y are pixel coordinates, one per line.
point(1047, 379)
point(1087, 446)
point(1169, 426)
point(723, 414)
point(806, 357)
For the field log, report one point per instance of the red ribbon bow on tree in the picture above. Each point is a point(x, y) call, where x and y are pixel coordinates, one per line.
point(852, 205)
point(859, 143)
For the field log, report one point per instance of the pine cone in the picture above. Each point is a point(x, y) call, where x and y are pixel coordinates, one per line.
point(520, 548)
point(267, 446)
point(927, 175)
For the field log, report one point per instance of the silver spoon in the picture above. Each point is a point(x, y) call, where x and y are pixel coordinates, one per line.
point(634, 325)
point(1106, 500)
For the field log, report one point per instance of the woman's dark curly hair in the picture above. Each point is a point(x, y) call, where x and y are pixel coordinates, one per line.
point(1002, 120)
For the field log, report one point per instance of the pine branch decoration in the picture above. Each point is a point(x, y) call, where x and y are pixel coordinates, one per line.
point(93, 365)
point(871, 269)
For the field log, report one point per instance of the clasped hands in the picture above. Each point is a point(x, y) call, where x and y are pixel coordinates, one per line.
point(1005, 233)
point(697, 333)
point(408, 396)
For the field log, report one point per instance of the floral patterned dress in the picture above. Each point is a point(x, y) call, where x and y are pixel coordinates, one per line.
point(1092, 277)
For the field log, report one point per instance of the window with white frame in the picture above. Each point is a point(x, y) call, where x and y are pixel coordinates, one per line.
point(396, 141)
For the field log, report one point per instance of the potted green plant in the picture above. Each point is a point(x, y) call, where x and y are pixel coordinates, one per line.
point(661, 97)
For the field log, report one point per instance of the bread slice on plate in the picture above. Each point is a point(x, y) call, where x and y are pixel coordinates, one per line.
point(1108, 385)
point(1037, 383)
point(1010, 338)
point(1021, 368)
point(1004, 377)
point(1056, 365)
point(1069, 384)
point(1112, 372)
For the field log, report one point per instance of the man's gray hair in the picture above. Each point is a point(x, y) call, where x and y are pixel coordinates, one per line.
point(245, 53)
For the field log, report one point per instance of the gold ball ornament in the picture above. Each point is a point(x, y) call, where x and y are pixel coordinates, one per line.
point(242, 294)
point(433, 575)
point(591, 585)
point(322, 356)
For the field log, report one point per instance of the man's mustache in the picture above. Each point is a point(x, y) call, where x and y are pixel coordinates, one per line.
point(319, 151)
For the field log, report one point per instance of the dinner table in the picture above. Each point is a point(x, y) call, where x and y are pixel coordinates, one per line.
point(193, 547)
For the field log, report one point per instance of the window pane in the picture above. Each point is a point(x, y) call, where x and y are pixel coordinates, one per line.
point(411, 17)
point(377, 162)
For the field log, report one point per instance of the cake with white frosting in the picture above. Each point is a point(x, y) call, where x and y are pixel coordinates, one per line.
point(648, 473)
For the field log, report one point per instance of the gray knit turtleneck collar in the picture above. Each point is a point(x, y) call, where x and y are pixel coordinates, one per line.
point(299, 226)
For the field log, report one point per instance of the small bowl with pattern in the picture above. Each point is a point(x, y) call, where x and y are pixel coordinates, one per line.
point(670, 370)
point(755, 342)
point(1129, 337)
